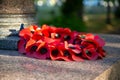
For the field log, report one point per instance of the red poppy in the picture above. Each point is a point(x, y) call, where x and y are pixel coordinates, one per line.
point(37, 49)
point(31, 47)
point(64, 34)
point(89, 50)
point(71, 37)
point(99, 40)
point(96, 38)
point(76, 52)
point(74, 35)
point(101, 52)
point(38, 35)
point(77, 40)
point(28, 32)
point(51, 41)
point(90, 54)
point(21, 45)
point(59, 52)
point(60, 44)
point(89, 36)
point(43, 51)
point(47, 30)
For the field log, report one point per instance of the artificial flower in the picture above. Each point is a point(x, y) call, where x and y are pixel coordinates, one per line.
point(76, 52)
point(28, 32)
point(50, 42)
point(42, 51)
point(89, 50)
point(59, 52)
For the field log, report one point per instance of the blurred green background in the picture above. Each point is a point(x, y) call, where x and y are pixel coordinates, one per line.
point(96, 16)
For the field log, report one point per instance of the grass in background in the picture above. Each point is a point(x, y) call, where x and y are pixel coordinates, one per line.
point(96, 23)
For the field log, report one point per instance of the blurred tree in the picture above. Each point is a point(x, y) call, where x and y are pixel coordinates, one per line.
point(71, 16)
point(117, 10)
point(73, 8)
point(108, 17)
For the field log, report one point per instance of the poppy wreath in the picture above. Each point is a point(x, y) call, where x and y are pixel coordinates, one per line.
point(50, 42)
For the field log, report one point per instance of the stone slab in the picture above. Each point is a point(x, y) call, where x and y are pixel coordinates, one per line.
point(14, 66)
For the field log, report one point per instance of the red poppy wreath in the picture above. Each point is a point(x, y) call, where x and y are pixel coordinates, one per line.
point(49, 42)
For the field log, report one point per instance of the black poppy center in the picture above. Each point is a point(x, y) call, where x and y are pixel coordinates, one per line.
point(55, 52)
point(33, 48)
point(67, 37)
point(32, 32)
point(43, 50)
point(82, 46)
point(49, 34)
point(88, 53)
point(77, 41)
point(66, 53)
point(57, 35)
point(80, 54)
point(72, 47)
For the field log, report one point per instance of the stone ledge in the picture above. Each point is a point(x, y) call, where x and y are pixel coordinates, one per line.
point(112, 73)
point(14, 66)
point(17, 15)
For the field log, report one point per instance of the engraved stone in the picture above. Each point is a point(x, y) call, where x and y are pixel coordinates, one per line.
point(16, 6)
point(12, 14)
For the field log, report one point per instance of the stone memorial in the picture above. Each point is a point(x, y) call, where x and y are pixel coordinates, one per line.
point(12, 14)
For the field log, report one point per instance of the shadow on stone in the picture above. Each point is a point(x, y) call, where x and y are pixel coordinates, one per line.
point(10, 53)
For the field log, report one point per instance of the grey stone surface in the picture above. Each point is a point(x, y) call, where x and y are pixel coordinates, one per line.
point(14, 66)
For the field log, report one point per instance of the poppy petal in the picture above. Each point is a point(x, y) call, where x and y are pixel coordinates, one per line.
point(21, 45)
point(77, 58)
point(100, 41)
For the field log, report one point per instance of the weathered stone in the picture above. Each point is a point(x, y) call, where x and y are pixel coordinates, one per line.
point(16, 6)
point(13, 13)
point(10, 23)
point(14, 66)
